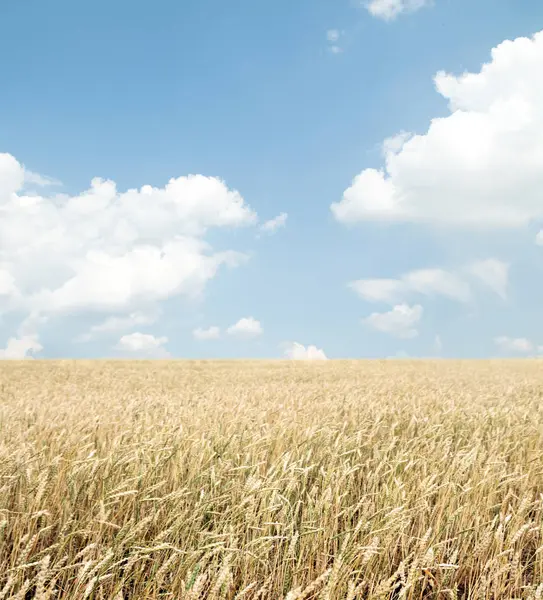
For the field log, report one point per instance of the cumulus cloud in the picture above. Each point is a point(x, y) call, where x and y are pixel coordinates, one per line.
point(400, 322)
point(143, 344)
point(211, 333)
point(11, 176)
point(478, 167)
point(390, 9)
point(247, 327)
point(295, 351)
point(517, 345)
point(144, 274)
point(109, 251)
point(274, 224)
point(539, 238)
point(21, 347)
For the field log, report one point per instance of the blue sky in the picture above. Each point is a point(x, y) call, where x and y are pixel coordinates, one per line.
point(285, 103)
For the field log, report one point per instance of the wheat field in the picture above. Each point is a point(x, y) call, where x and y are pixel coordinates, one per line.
point(271, 480)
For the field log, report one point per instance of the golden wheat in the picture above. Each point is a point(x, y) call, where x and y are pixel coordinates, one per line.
point(338, 480)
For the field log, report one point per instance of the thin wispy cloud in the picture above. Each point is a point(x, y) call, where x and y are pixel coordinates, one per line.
point(32, 178)
point(273, 225)
point(388, 10)
point(333, 38)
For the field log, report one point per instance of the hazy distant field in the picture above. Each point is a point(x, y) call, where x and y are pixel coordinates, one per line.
point(336, 480)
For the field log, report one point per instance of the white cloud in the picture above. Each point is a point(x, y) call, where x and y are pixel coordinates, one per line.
point(26, 341)
point(144, 274)
point(143, 344)
point(401, 321)
point(379, 290)
point(7, 283)
point(427, 282)
point(478, 167)
point(492, 273)
point(113, 325)
point(274, 224)
point(395, 143)
point(22, 347)
point(431, 282)
point(295, 351)
point(30, 324)
point(246, 327)
point(11, 176)
point(332, 35)
point(211, 333)
point(111, 251)
point(390, 9)
point(520, 345)
point(438, 344)
point(539, 238)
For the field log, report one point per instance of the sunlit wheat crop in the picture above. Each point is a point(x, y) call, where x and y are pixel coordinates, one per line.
point(337, 480)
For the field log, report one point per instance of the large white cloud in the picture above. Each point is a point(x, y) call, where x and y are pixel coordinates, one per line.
point(400, 322)
point(110, 251)
point(12, 176)
point(295, 351)
point(105, 282)
point(478, 167)
point(390, 9)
